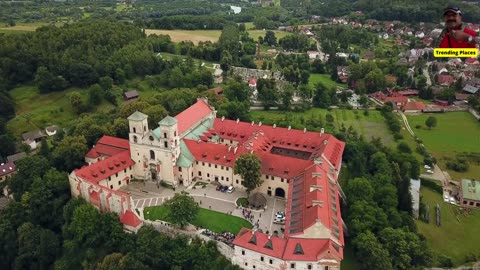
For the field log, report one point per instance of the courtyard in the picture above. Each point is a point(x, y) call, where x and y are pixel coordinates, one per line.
point(219, 210)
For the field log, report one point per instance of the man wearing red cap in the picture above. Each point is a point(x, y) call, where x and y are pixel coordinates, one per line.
point(455, 35)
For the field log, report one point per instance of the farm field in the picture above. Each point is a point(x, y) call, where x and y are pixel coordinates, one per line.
point(325, 79)
point(369, 126)
point(207, 219)
point(455, 133)
point(455, 238)
point(204, 35)
point(24, 27)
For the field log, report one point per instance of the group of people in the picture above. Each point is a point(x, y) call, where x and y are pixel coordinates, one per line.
point(225, 237)
point(247, 214)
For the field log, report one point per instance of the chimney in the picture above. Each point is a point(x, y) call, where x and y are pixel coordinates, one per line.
point(253, 122)
point(274, 125)
point(223, 118)
point(238, 120)
point(269, 236)
point(259, 124)
point(289, 127)
point(304, 130)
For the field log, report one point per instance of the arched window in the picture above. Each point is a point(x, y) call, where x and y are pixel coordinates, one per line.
point(151, 138)
point(134, 130)
point(135, 139)
point(152, 154)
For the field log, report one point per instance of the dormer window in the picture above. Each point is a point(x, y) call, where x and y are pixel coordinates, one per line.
point(151, 138)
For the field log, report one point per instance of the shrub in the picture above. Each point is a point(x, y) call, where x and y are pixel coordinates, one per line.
point(445, 261)
point(366, 113)
point(431, 184)
point(418, 126)
point(397, 136)
point(458, 165)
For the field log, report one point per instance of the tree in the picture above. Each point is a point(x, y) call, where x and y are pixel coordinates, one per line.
point(404, 148)
point(106, 83)
point(317, 66)
point(249, 166)
point(235, 110)
point(473, 101)
point(112, 261)
point(155, 114)
point(182, 209)
point(7, 145)
point(77, 103)
point(270, 38)
point(360, 189)
point(431, 122)
point(237, 91)
point(44, 149)
point(70, 152)
point(95, 94)
point(286, 97)
point(267, 92)
point(373, 255)
point(363, 101)
point(241, 27)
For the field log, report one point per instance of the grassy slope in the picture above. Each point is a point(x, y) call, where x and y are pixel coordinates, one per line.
point(371, 125)
point(323, 78)
point(208, 219)
point(456, 132)
point(454, 238)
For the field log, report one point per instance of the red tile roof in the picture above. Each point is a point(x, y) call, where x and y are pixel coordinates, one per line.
point(471, 61)
point(192, 115)
point(130, 219)
point(409, 92)
point(275, 248)
point(6, 168)
point(252, 82)
point(446, 79)
point(114, 141)
point(414, 106)
point(101, 170)
point(108, 146)
point(400, 99)
point(313, 250)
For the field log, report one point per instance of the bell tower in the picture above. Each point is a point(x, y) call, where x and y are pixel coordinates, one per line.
point(138, 127)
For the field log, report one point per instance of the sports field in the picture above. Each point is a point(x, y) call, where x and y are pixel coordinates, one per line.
point(458, 235)
point(455, 133)
point(371, 125)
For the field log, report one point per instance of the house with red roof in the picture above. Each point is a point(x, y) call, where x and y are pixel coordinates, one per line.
point(301, 166)
point(7, 170)
point(445, 80)
point(414, 107)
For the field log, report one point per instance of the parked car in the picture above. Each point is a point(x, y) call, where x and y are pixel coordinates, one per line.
point(280, 218)
point(429, 171)
point(279, 222)
point(230, 189)
point(219, 187)
point(224, 189)
point(427, 167)
point(280, 213)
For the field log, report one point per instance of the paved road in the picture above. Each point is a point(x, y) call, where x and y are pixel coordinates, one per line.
point(407, 125)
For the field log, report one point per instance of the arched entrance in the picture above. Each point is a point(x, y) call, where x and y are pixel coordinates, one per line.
point(279, 192)
point(153, 172)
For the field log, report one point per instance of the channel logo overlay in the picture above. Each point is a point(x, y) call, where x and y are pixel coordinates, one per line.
point(451, 53)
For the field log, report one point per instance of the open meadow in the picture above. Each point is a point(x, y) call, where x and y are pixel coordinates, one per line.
point(325, 79)
point(204, 35)
point(455, 133)
point(371, 125)
point(458, 235)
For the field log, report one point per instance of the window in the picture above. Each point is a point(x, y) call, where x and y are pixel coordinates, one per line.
point(326, 267)
point(228, 168)
point(281, 179)
point(254, 267)
point(144, 128)
point(288, 181)
point(237, 181)
point(165, 144)
point(271, 261)
point(116, 175)
point(222, 167)
point(292, 265)
point(208, 175)
point(203, 163)
point(243, 252)
point(209, 165)
point(266, 176)
point(179, 169)
point(222, 177)
point(119, 183)
point(151, 138)
point(273, 177)
point(135, 139)
point(228, 179)
point(246, 264)
point(175, 133)
point(261, 258)
point(152, 154)
point(109, 178)
point(164, 135)
point(471, 203)
point(196, 162)
point(309, 267)
point(199, 173)
point(134, 130)
point(215, 166)
point(111, 186)
point(125, 171)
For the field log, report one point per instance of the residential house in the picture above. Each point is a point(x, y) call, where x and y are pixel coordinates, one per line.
point(470, 89)
point(343, 73)
point(33, 138)
point(313, 55)
point(419, 34)
point(445, 80)
point(369, 55)
point(7, 170)
point(470, 193)
point(341, 55)
point(15, 157)
point(443, 71)
point(391, 79)
point(461, 96)
point(131, 95)
point(414, 107)
point(408, 92)
point(472, 61)
point(51, 130)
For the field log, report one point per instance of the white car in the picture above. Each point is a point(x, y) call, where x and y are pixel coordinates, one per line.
point(230, 189)
point(429, 171)
point(280, 218)
point(427, 167)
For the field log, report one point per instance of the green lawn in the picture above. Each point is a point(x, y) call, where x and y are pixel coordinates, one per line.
point(455, 238)
point(368, 126)
point(37, 111)
point(207, 219)
point(325, 79)
point(455, 133)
